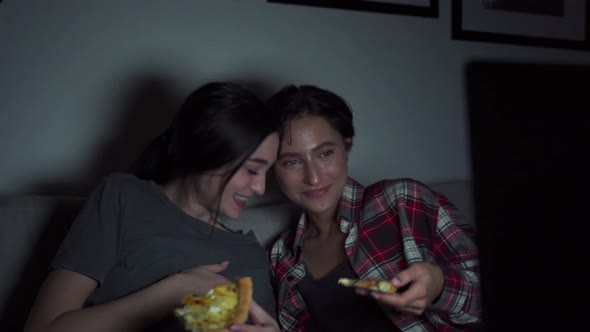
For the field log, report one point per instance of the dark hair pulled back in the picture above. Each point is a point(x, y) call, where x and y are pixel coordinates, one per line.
point(220, 123)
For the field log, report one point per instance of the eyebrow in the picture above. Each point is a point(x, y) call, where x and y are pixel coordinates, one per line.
point(294, 154)
point(258, 161)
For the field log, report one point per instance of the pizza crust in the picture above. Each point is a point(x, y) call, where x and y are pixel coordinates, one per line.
point(245, 291)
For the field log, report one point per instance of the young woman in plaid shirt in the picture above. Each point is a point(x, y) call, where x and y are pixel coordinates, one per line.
point(399, 230)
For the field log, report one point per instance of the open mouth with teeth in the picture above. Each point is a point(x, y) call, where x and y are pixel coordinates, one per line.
point(240, 200)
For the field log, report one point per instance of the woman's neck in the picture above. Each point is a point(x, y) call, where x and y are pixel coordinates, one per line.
point(178, 193)
point(322, 225)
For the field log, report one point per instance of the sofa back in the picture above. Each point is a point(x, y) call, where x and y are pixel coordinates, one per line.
point(32, 228)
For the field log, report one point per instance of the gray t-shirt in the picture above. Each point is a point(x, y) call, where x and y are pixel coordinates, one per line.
point(130, 235)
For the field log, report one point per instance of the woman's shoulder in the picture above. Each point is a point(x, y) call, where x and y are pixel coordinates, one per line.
point(283, 244)
point(389, 192)
point(121, 185)
point(123, 181)
point(121, 178)
point(400, 186)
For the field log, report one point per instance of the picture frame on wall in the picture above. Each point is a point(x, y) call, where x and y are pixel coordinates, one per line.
point(423, 8)
point(542, 23)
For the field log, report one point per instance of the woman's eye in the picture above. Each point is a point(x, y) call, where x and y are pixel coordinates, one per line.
point(289, 163)
point(252, 172)
point(326, 154)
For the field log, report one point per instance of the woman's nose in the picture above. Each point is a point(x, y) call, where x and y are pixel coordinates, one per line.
point(312, 175)
point(258, 185)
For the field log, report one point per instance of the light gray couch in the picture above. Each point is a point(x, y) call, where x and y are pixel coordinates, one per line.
point(32, 227)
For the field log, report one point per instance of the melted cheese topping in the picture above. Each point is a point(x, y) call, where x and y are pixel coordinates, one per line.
point(213, 310)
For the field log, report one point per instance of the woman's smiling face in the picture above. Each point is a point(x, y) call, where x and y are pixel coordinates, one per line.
point(312, 166)
point(247, 182)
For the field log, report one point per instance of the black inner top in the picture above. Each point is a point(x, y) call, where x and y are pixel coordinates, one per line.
point(337, 308)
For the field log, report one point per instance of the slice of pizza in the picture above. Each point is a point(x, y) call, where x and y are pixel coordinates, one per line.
point(383, 286)
point(219, 308)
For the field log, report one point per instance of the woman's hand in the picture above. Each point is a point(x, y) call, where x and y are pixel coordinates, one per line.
point(263, 322)
point(199, 280)
point(426, 282)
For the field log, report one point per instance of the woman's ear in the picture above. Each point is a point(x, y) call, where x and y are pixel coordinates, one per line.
point(348, 144)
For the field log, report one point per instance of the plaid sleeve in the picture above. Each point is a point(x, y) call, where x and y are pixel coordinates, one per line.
point(427, 223)
point(455, 252)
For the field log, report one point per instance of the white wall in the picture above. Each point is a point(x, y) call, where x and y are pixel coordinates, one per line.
point(69, 71)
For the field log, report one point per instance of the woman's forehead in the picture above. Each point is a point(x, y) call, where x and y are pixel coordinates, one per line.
point(308, 125)
point(308, 133)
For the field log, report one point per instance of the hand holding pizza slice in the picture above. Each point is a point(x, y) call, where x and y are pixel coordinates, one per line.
point(383, 286)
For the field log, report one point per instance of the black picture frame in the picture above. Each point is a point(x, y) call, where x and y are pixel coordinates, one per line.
point(430, 9)
point(462, 31)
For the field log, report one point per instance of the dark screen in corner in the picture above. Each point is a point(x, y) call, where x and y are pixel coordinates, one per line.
point(529, 126)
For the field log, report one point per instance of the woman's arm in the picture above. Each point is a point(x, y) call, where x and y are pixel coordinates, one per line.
point(59, 305)
point(442, 271)
point(456, 253)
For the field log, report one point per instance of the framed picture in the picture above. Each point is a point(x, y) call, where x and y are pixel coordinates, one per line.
point(545, 23)
point(424, 8)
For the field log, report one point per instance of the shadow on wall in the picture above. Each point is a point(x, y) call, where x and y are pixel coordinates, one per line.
point(146, 108)
point(38, 227)
point(259, 86)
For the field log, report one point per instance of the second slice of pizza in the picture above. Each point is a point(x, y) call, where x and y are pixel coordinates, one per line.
point(383, 286)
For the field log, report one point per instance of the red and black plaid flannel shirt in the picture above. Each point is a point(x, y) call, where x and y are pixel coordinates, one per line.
point(390, 225)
